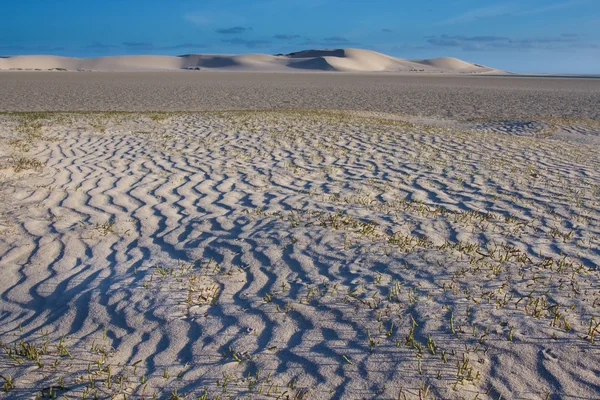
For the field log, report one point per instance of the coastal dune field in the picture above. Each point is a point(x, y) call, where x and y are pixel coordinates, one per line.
point(340, 60)
point(418, 248)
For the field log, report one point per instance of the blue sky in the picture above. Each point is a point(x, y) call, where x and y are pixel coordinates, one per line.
point(559, 36)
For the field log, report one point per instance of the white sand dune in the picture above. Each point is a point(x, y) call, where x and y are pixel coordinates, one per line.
point(342, 60)
point(297, 255)
point(245, 62)
point(41, 62)
point(454, 64)
point(131, 63)
point(114, 63)
point(355, 60)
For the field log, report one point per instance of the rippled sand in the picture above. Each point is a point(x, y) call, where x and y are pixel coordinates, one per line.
point(315, 255)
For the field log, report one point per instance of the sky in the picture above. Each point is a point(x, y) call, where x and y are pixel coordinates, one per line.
point(553, 36)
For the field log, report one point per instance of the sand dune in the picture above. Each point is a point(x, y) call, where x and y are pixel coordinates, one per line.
point(131, 63)
point(114, 63)
point(38, 62)
point(355, 60)
point(341, 60)
point(454, 64)
point(245, 62)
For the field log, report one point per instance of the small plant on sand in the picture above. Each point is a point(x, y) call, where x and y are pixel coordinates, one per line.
point(8, 383)
point(106, 227)
point(20, 164)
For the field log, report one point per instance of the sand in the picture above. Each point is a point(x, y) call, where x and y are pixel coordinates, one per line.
point(355, 228)
point(442, 95)
point(315, 255)
point(340, 60)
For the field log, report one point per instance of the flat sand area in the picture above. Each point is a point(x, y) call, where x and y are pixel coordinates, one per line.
point(299, 255)
point(440, 95)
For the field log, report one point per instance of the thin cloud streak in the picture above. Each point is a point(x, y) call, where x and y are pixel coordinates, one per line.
point(235, 30)
point(553, 7)
point(481, 13)
point(510, 10)
point(491, 43)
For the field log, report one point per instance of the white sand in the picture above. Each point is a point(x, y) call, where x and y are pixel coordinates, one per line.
point(323, 255)
point(344, 60)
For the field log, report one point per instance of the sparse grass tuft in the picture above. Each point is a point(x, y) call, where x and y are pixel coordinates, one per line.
point(20, 164)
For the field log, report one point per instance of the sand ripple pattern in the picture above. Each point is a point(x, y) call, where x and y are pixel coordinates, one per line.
point(323, 255)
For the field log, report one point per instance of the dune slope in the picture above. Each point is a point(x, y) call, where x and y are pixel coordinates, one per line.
point(454, 64)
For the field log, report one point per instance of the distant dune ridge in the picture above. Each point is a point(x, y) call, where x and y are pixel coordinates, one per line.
point(341, 60)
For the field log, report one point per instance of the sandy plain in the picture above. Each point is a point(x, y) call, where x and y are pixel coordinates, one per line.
point(439, 238)
point(443, 95)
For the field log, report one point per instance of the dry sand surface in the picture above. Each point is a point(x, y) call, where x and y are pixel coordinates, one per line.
point(297, 255)
point(442, 95)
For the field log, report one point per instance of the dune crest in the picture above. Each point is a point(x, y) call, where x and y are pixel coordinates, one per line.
point(340, 60)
